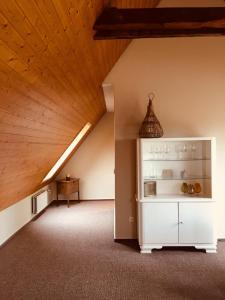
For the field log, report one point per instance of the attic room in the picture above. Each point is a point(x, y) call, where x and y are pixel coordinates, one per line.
point(112, 143)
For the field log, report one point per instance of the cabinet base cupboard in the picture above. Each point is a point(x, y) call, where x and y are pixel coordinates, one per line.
point(171, 217)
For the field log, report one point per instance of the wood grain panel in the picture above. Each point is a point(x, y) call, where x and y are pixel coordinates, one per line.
point(51, 71)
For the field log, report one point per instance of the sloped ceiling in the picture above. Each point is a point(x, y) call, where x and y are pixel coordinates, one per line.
point(51, 71)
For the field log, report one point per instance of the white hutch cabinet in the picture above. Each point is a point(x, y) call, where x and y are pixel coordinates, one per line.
point(175, 193)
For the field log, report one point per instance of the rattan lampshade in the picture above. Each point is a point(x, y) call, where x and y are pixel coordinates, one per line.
point(150, 127)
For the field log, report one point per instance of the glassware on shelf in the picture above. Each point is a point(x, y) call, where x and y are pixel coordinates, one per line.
point(197, 188)
point(167, 173)
point(183, 173)
point(185, 148)
point(191, 189)
point(179, 150)
point(150, 173)
point(157, 150)
point(153, 173)
point(160, 152)
point(184, 188)
point(158, 173)
point(184, 151)
point(151, 153)
point(166, 150)
point(176, 161)
point(150, 188)
point(193, 151)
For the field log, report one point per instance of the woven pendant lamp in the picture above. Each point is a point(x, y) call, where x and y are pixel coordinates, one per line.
point(150, 127)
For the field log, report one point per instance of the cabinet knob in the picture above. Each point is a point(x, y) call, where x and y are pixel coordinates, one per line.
point(180, 222)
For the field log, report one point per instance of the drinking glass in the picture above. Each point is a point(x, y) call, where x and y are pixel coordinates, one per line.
point(185, 150)
point(157, 151)
point(193, 150)
point(167, 150)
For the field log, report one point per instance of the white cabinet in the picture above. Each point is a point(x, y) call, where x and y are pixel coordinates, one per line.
point(169, 215)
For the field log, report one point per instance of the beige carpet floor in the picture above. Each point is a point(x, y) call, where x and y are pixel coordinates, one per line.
point(70, 254)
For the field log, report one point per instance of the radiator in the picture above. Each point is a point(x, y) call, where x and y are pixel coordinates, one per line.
point(39, 201)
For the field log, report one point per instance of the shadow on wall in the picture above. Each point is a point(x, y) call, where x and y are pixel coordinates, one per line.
point(125, 186)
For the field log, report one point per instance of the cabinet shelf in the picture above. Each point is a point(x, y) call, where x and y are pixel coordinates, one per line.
point(188, 159)
point(178, 178)
point(176, 197)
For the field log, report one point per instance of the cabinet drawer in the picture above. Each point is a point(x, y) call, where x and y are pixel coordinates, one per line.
point(67, 188)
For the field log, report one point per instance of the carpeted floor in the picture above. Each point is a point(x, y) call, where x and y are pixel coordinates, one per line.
point(70, 254)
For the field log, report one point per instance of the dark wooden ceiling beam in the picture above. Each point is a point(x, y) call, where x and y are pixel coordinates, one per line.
point(116, 23)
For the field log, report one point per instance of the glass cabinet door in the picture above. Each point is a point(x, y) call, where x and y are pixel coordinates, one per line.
point(180, 167)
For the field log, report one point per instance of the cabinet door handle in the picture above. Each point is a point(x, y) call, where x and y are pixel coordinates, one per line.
point(180, 222)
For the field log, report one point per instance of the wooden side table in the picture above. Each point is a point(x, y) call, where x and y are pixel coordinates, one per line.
point(67, 187)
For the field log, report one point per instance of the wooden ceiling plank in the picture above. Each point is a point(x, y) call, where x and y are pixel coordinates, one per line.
point(33, 14)
point(48, 12)
point(25, 131)
point(19, 68)
point(15, 105)
point(38, 158)
point(18, 120)
point(31, 158)
point(20, 138)
point(74, 13)
point(31, 116)
point(9, 78)
point(26, 128)
point(83, 40)
point(24, 167)
point(41, 89)
point(88, 72)
point(18, 186)
point(28, 149)
point(25, 30)
point(37, 122)
point(21, 170)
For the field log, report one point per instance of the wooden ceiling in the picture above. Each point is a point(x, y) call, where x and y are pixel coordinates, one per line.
point(51, 71)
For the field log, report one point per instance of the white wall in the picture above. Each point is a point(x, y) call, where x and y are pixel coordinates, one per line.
point(188, 77)
point(16, 216)
point(94, 162)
